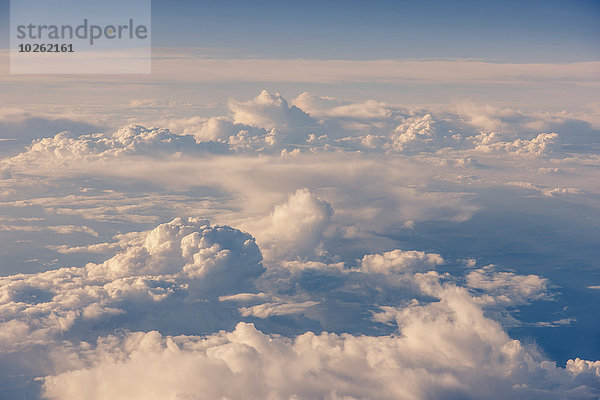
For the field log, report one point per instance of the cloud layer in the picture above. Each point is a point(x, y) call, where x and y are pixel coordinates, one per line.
point(357, 250)
point(444, 345)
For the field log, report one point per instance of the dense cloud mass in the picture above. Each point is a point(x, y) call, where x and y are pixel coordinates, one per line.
point(356, 250)
point(268, 123)
point(178, 262)
point(449, 352)
point(444, 347)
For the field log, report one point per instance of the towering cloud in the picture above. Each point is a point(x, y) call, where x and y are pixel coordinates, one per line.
point(294, 228)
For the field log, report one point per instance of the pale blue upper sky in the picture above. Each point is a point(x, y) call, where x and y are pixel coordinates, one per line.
point(521, 31)
point(501, 31)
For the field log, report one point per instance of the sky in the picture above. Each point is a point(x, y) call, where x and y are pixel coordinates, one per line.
point(309, 200)
point(507, 31)
point(512, 31)
point(503, 33)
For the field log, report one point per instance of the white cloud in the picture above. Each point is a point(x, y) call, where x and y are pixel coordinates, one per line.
point(488, 117)
point(319, 107)
point(579, 366)
point(131, 140)
point(539, 145)
point(266, 310)
point(445, 346)
point(187, 260)
point(245, 297)
point(506, 287)
point(268, 123)
point(122, 242)
point(419, 133)
point(214, 128)
point(445, 349)
point(62, 229)
point(268, 111)
point(294, 228)
point(399, 261)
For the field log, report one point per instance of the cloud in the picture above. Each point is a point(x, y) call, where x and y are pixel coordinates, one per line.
point(221, 129)
point(179, 262)
point(214, 128)
point(189, 276)
point(444, 349)
point(266, 310)
point(546, 191)
point(506, 287)
point(579, 366)
point(399, 261)
point(63, 229)
point(329, 107)
point(365, 213)
point(268, 111)
point(539, 145)
point(488, 117)
point(294, 228)
point(24, 126)
point(122, 242)
point(129, 141)
point(202, 69)
point(269, 124)
point(418, 133)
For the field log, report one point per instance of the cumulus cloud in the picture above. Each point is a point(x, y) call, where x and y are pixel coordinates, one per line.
point(398, 260)
point(445, 349)
point(506, 287)
point(269, 124)
point(131, 140)
point(268, 111)
point(294, 228)
point(546, 191)
point(539, 145)
point(183, 274)
point(412, 129)
point(179, 262)
point(215, 128)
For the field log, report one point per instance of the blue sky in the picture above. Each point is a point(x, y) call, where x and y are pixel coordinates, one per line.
point(515, 31)
point(504, 31)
